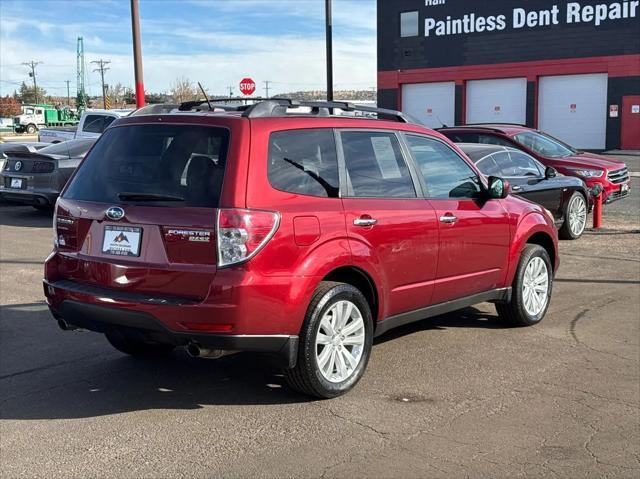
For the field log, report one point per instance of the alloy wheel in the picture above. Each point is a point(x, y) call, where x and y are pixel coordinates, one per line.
point(535, 287)
point(340, 341)
point(577, 215)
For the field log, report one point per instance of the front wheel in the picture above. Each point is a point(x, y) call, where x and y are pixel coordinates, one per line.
point(335, 342)
point(575, 217)
point(531, 288)
point(31, 129)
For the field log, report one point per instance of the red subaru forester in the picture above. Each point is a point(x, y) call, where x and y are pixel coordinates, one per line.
point(290, 229)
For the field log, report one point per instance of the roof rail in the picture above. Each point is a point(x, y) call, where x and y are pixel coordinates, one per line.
point(279, 107)
point(496, 123)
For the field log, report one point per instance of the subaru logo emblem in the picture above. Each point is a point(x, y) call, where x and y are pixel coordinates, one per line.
point(17, 166)
point(115, 213)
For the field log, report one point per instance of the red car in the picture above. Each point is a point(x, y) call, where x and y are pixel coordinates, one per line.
point(286, 229)
point(611, 175)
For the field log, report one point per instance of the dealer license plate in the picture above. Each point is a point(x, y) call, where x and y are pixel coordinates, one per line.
point(16, 182)
point(122, 240)
point(624, 188)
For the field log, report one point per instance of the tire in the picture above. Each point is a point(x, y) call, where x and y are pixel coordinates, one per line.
point(575, 217)
point(31, 129)
point(135, 346)
point(519, 311)
point(308, 377)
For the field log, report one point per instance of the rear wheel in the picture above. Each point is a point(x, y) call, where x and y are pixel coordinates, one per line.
point(335, 342)
point(136, 346)
point(575, 218)
point(531, 288)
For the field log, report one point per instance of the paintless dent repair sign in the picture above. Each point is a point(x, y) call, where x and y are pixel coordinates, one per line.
point(416, 34)
point(573, 12)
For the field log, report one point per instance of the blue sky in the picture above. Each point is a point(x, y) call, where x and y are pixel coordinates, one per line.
point(216, 42)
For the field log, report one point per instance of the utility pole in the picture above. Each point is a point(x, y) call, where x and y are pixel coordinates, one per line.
point(266, 86)
point(137, 54)
point(68, 93)
point(32, 74)
point(102, 68)
point(230, 91)
point(329, 44)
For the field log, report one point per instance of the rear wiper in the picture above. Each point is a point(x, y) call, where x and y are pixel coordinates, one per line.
point(148, 197)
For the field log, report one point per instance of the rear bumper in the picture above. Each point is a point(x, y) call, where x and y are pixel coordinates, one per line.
point(104, 319)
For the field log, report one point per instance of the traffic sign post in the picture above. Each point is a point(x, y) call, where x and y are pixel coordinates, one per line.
point(247, 86)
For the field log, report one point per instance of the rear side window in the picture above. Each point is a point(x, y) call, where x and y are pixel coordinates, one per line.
point(375, 165)
point(304, 162)
point(168, 165)
point(445, 173)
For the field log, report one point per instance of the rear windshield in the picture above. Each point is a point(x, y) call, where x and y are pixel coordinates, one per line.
point(168, 165)
point(71, 148)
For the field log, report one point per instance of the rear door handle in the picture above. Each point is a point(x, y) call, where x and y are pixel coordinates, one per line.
point(365, 221)
point(448, 218)
point(516, 188)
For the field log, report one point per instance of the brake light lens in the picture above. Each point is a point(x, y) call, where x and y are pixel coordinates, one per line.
point(241, 234)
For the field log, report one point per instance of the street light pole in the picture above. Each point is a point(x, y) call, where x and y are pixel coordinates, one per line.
point(329, 42)
point(137, 54)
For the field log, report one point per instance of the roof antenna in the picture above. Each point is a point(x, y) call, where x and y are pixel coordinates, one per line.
point(205, 96)
point(444, 125)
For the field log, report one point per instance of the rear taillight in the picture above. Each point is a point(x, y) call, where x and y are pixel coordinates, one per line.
point(64, 231)
point(241, 234)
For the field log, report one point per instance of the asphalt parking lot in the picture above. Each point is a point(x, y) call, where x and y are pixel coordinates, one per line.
point(459, 395)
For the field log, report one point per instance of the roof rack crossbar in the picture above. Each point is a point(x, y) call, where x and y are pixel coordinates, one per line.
point(279, 107)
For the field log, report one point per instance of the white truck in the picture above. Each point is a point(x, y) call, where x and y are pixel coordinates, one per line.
point(92, 124)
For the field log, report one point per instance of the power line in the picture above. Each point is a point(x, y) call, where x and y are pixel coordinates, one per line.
point(102, 68)
point(32, 74)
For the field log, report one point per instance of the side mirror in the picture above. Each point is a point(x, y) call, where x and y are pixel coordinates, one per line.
point(498, 188)
point(550, 172)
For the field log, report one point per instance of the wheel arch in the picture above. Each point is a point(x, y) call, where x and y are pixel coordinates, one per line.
point(543, 239)
point(359, 279)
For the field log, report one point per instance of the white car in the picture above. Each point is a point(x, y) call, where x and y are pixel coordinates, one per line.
point(91, 125)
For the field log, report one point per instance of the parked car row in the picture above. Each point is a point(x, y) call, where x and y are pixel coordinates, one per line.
point(283, 228)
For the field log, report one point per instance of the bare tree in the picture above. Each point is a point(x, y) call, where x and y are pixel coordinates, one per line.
point(116, 94)
point(183, 90)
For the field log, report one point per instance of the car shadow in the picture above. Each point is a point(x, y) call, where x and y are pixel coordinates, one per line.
point(46, 373)
point(24, 216)
point(470, 317)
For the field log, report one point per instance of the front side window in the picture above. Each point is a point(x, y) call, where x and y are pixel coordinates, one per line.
point(304, 162)
point(375, 165)
point(513, 164)
point(168, 165)
point(445, 173)
point(544, 145)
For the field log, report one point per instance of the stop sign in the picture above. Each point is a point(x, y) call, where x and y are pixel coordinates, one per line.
point(247, 86)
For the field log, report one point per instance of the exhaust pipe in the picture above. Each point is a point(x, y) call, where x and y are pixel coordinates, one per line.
point(195, 351)
point(62, 324)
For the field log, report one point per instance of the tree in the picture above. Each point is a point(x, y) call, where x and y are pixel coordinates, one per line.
point(151, 98)
point(116, 94)
point(9, 107)
point(27, 94)
point(183, 90)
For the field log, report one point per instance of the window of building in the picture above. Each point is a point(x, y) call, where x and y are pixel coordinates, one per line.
point(409, 24)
